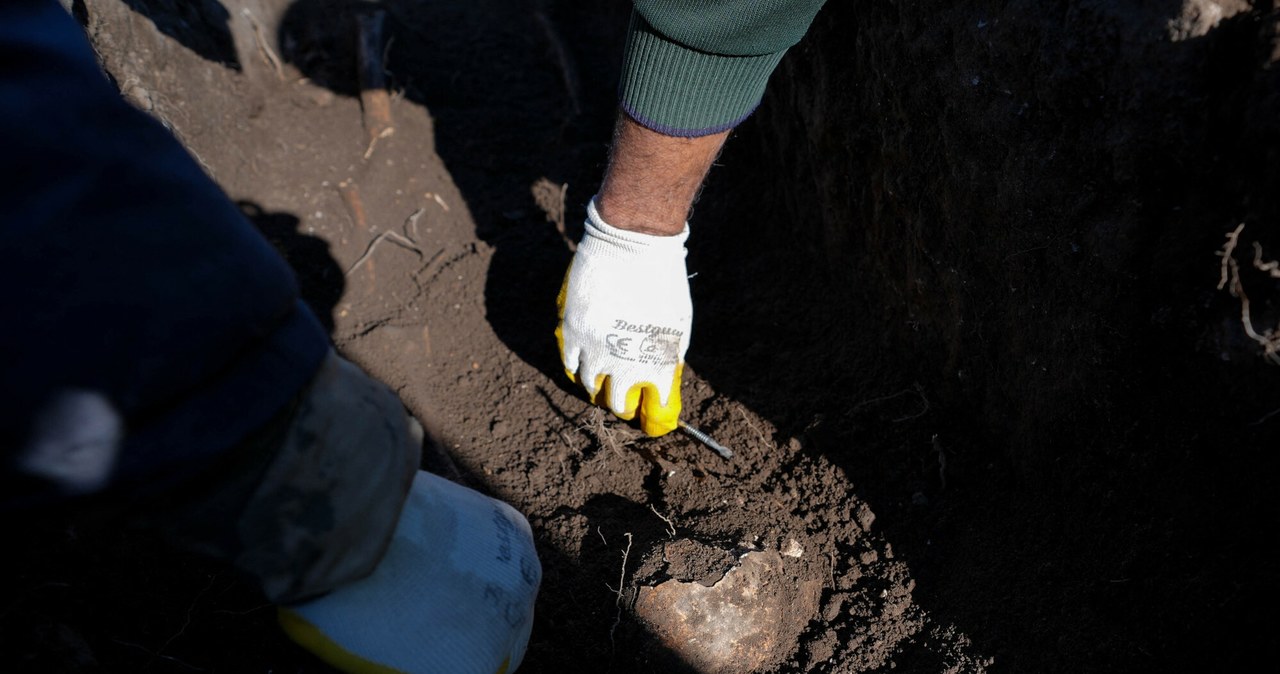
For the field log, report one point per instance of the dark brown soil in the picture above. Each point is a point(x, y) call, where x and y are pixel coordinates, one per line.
point(986, 438)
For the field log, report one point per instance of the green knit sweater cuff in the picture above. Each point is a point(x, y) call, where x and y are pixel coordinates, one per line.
point(679, 91)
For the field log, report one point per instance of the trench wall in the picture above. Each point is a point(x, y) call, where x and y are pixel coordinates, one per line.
point(1022, 201)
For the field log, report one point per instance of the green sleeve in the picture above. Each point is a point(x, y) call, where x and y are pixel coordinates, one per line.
point(698, 67)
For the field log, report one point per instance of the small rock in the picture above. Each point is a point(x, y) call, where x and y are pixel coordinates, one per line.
point(321, 98)
point(140, 97)
point(865, 517)
point(793, 549)
point(749, 621)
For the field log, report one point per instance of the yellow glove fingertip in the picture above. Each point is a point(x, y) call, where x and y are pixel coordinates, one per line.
point(660, 421)
point(657, 419)
point(632, 403)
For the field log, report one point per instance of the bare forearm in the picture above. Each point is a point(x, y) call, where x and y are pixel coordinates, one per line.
point(653, 179)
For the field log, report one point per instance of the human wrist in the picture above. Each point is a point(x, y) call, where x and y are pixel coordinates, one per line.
point(649, 217)
point(652, 178)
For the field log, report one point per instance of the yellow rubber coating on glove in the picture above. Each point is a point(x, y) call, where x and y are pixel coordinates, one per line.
point(315, 642)
point(656, 419)
point(560, 300)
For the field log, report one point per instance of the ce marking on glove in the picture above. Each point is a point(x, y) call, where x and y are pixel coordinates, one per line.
point(654, 349)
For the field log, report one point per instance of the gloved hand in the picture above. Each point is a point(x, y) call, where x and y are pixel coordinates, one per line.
point(625, 315)
point(452, 595)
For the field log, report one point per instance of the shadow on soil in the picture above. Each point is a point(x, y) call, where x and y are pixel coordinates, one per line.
point(320, 278)
point(203, 26)
point(519, 93)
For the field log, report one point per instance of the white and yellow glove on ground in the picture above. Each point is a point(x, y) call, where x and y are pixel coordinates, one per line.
point(453, 595)
point(625, 315)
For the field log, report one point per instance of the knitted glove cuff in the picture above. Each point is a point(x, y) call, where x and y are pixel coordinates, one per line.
point(599, 232)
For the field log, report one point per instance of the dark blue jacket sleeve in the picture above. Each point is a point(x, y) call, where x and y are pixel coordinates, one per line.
point(126, 275)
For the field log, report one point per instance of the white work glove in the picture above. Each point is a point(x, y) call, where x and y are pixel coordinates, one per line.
point(453, 595)
point(625, 315)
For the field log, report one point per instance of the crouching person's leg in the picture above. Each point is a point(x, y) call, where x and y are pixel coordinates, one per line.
point(376, 565)
point(453, 593)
